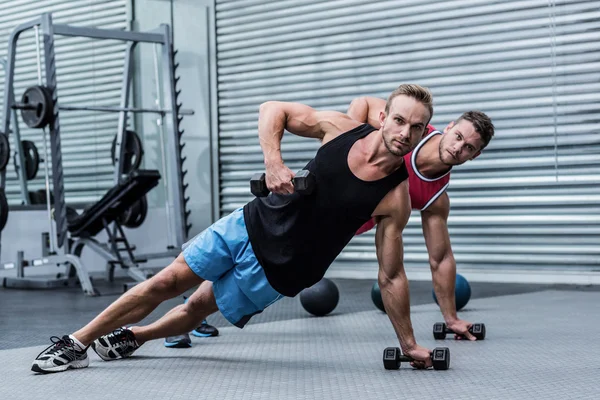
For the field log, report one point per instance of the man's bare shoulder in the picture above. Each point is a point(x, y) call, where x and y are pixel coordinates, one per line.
point(335, 123)
point(441, 206)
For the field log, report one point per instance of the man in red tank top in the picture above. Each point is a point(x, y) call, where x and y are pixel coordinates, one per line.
point(429, 166)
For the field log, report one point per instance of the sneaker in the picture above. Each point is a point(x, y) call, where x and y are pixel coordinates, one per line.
point(205, 330)
point(120, 343)
point(61, 355)
point(178, 342)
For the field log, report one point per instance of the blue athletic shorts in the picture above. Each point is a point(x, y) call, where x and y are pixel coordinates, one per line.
point(222, 254)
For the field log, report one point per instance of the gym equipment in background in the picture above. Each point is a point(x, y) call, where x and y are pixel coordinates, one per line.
point(321, 298)
point(376, 296)
point(39, 108)
point(462, 292)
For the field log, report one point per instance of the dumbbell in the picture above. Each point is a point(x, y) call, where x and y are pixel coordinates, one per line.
point(392, 357)
point(440, 330)
point(304, 183)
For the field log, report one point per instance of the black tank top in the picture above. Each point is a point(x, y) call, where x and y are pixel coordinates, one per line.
point(296, 237)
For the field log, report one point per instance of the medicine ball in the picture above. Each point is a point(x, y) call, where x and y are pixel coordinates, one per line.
point(462, 292)
point(376, 296)
point(321, 298)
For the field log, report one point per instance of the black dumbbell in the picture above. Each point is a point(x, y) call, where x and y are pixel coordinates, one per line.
point(304, 183)
point(392, 357)
point(440, 330)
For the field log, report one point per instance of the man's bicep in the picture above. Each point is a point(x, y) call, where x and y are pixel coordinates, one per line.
point(375, 106)
point(305, 121)
point(358, 109)
point(366, 109)
point(300, 119)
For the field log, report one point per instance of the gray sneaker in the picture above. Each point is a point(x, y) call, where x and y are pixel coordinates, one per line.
point(120, 343)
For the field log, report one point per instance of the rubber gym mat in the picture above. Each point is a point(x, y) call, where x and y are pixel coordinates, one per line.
point(538, 345)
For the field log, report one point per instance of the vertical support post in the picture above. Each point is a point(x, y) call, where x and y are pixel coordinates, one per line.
point(8, 91)
point(25, 200)
point(19, 150)
point(9, 96)
point(9, 99)
point(161, 128)
point(214, 115)
point(175, 178)
point(122, 126)
point(60, 212)
point(46, 158)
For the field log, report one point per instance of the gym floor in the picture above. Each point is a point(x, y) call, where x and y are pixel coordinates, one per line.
point(538, 345)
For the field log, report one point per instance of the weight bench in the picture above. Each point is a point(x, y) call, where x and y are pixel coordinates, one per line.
point(108, 210)
point(114, 203)
point(85, 226)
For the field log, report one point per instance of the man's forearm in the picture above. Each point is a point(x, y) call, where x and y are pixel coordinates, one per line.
point(396, 300)
point(271, 124)
point(444, 281)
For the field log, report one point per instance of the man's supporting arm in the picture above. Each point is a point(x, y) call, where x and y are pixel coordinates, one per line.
point(392, 277)
point(441, 259)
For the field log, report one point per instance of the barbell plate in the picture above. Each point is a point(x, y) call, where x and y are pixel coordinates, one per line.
point(4, 151)
point(3, 209)
point(31, 157)
point(136, 214)
point(36, 107)
point(134, 151)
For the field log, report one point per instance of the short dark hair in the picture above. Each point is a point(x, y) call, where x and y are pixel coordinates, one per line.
point(482, 123)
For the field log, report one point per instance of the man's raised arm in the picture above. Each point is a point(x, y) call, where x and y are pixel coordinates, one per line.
point(366, 109)
point(277, 116)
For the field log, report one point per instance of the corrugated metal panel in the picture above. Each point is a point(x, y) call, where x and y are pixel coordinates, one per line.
point(89, 71)
point(532, 199)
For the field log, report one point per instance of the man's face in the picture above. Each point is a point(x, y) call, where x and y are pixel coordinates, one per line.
point(404, 125)
point(459, 143)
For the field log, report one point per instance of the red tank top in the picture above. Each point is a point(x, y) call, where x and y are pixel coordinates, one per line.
point(423, 191)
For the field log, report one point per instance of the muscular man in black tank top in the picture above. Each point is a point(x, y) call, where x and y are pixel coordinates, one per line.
point(360, 173)
point(277, 245)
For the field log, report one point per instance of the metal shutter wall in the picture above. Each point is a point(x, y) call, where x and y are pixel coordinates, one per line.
point(89, 71)
point(531, 200)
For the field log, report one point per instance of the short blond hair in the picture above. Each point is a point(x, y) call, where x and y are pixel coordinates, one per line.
point(417, 92)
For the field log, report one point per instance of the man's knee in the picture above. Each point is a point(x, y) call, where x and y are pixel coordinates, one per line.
point(173, 280)
point(202, 301)
point(163, 285)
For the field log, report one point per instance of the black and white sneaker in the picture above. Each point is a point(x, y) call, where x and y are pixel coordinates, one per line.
point(120, 343)
point(61, 355)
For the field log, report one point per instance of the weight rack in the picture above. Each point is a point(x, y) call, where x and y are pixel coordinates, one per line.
point(178, 228)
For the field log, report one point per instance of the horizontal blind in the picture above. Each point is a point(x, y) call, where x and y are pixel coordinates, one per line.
point(89, 72)
point(530, 200)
